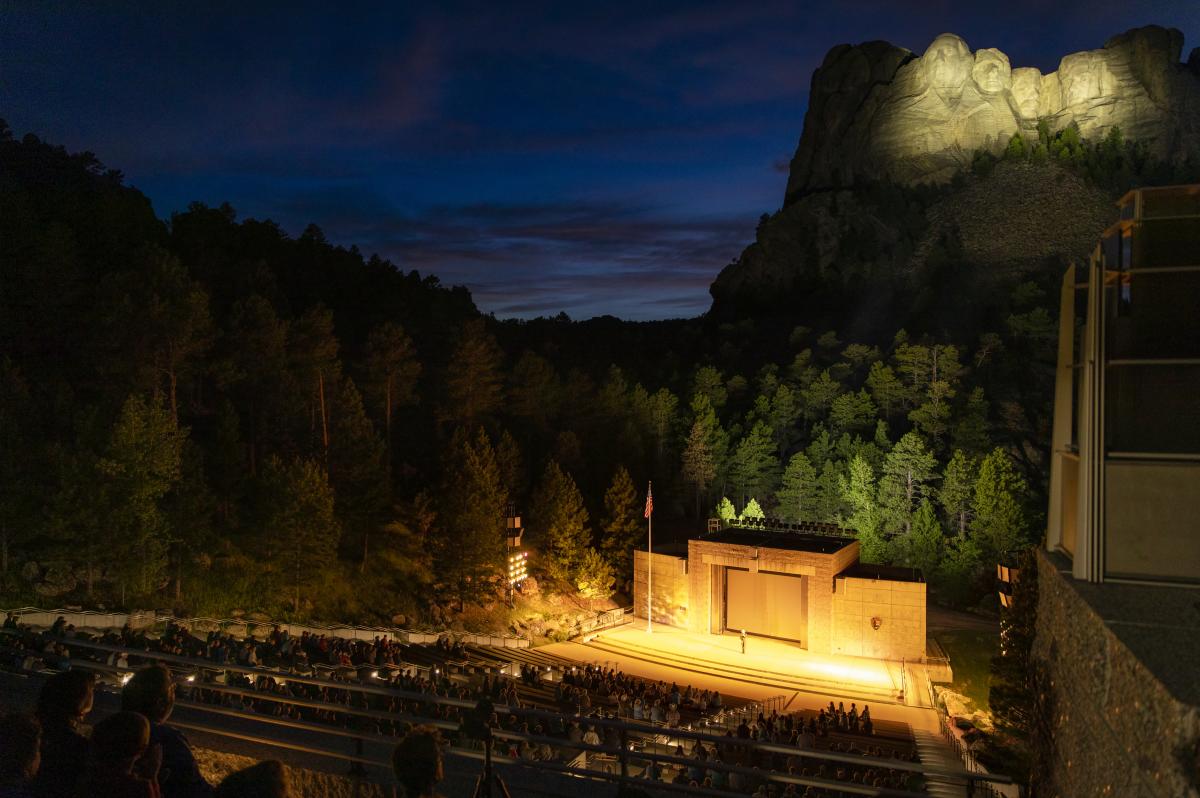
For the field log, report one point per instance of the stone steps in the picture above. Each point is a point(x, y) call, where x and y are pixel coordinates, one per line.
point(935, 752)
point(750, 675)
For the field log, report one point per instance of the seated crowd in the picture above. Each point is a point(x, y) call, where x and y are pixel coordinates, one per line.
point(161, 764)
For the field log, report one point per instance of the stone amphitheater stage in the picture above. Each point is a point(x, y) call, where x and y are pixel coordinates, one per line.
point(768, 669)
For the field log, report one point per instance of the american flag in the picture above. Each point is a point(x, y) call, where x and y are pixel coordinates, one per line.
point(649, 499)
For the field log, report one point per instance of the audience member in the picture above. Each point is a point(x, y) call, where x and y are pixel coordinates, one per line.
point(151, 693)
point(267, 779)
point(65, 700)
point(417, 762)
point(124, 764)
point(20, 744)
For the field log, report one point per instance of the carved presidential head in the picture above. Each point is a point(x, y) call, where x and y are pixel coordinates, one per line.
point(947, 64)
point(991, 71)
point(1027, 90)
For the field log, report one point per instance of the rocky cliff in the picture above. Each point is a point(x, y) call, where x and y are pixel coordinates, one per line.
point(877, 111)
point(891, 219)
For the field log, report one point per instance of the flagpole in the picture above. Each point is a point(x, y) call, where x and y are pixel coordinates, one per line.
point(649, 557)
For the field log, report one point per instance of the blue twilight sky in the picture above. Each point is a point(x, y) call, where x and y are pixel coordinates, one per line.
point(605, 157)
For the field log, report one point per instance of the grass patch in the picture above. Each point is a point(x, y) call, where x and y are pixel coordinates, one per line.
point(971, 655)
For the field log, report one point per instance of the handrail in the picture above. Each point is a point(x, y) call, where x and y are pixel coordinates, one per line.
point(151, 618)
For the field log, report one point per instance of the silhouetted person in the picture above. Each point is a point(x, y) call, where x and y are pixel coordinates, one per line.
point(417, 762)
point(743, 641)
point(267, 779)
point(124, 764)
point(20, 754)
point(151, 693)
point(65, 700)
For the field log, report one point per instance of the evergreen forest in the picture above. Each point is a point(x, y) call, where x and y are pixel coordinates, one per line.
point(206, 414)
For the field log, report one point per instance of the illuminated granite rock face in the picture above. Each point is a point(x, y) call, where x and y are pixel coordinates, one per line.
point(880, 111)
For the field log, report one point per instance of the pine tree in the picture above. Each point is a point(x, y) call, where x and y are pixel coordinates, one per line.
point(357, 469)
point(886, 389)
point(698, 466)
point(858, 491)
point(473, 500)
point(971, 431)
point(594, 576)
point(820, 448)
point(622, 525)
point(932, 417)
point(798, 491)
point(907, 471)
point(403, 560)
point(725, 510)
point(921, 547)
point(189, 508)
point(535, 393)
point(784, 411)
point(959, 571)
point(852, 412)
point(999, 526)
point(957, 493)
point(559, 523)
point(663, 409)
point(715, 436)
point(227, 469)
point(512, 466)
point(392, 369)
point(755, 468)
point(753, 510)
point(819, 395)
point(140, 465)
point(316, 374)
point(474, 382)
point(709, 383)
point(254, 368)
point(827, 501)
point(300, 528)
point(18, 502)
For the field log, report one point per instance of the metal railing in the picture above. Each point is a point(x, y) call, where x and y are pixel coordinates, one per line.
point(640, 743)
point(981, 787)
point(602, 620)
point(142, 620)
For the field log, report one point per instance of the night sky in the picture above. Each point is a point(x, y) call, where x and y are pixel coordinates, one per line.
point(602, 158)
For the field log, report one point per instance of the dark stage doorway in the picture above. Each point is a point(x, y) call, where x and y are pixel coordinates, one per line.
point(768, 604)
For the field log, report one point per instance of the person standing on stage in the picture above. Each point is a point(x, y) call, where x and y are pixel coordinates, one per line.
point(743, 641)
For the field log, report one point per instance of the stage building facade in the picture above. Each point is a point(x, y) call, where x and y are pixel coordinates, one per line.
point(803, 587)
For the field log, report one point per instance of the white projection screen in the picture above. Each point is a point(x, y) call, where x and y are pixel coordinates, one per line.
point(768, 604)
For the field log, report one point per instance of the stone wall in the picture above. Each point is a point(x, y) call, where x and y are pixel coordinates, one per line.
point(899, 608)
point(1109, 726)
point(670, 586)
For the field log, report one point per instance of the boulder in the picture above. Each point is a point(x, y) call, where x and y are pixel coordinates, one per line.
point(58, 581)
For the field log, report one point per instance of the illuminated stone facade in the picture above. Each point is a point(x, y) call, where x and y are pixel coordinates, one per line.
point(808, 589)
point(669, 583)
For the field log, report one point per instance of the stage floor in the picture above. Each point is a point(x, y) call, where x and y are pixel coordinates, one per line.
point(769, 668)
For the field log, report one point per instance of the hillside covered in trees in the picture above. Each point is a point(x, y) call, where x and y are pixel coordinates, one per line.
point(206, 414)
